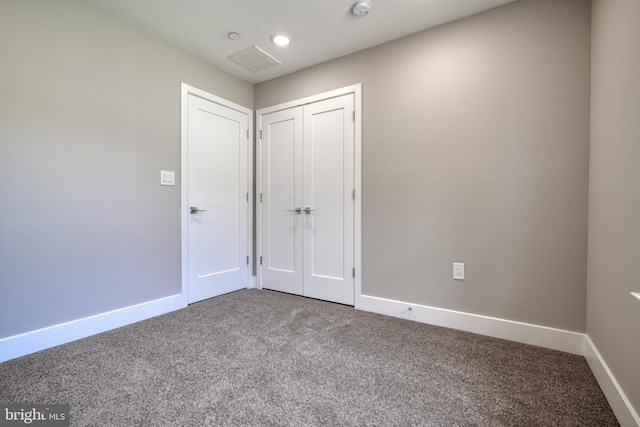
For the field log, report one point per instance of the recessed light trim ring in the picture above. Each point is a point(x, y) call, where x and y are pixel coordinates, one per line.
point(281, 39)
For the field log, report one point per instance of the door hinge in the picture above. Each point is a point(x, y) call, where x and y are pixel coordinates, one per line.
point(247, 133)
point(260, 259)
point(247, 259)
point(260, 197)
point(353, 194)
point(260, 133)
point(353, 116)
point(354, 272)
point(247, 197)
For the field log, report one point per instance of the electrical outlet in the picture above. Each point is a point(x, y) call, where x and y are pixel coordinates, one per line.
point(458, 271)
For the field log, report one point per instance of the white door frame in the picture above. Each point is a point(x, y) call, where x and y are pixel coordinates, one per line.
point(184, 202)
point(356, 90)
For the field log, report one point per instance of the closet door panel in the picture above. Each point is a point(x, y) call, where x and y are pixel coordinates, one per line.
point(281, 193)
point(328, 203)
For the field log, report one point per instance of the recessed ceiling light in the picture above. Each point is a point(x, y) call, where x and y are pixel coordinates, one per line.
point(233, 36)
point(281, 39)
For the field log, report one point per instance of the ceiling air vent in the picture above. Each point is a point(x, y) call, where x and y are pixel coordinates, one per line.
point(254, 59)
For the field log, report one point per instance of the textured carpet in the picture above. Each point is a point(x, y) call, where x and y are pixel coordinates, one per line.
point(261, 358)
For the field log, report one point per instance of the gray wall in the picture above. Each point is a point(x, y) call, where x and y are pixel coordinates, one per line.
point(89, 115)
point(476, 145)
point(613, 316)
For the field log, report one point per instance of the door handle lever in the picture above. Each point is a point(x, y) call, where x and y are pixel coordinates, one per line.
point(194, 210)
point(296, 210)
point(308, 210)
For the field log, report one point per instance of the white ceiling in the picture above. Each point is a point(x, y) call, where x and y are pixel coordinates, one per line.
point(321, 29)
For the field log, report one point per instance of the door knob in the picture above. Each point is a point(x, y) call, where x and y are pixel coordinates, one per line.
point(195, 210)
point(296, 210)
point(308, 210)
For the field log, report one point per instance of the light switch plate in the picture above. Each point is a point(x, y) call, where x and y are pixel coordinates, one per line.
point(167, 178)
point(458, 271)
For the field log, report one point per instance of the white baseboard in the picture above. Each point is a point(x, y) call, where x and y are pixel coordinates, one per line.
point(542, 336)
point(41, 339)
point(622, 408)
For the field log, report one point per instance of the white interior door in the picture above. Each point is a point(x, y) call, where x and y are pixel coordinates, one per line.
point(217, 198)
point(307, 209)
point(328, 203)
point(281, 205)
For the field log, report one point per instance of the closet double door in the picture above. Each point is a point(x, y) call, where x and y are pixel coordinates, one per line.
point(306, 200)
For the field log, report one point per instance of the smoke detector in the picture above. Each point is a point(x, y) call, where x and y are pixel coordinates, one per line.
point(361, 8)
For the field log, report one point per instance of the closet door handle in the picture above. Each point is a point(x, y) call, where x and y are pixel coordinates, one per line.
point(308, 210)
point(296, 210)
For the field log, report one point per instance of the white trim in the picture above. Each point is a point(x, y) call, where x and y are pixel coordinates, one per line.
point(356, 90)
point(41, 339)
point(622, 408)
point(250, 209)
point(636, 294)
point(186, 90)
point(357, 213)
point(542, 336)
point(184, 201)
point(258, 208)
point(252, 283)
